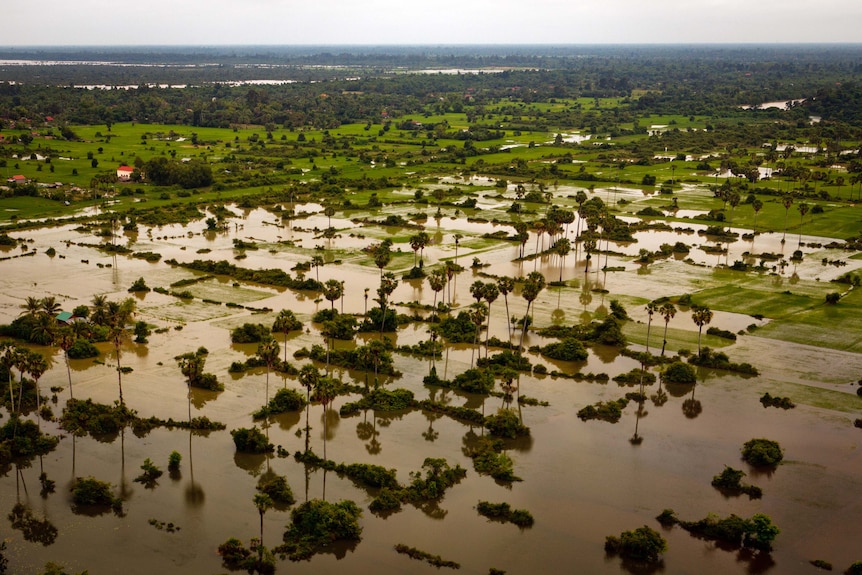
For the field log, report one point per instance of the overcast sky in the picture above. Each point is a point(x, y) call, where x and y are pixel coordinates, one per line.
point(218, 22)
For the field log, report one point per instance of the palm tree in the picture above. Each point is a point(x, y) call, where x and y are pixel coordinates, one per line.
point(733, 198)
point(382, 255)
point(50, 306)
point(651, 308)
point(9, 359)
point(316, 262)
point(31, 306)
point(308, 377)
point(757, 205)
point(506, 285)
point(437, 281)
point(36, 366)
point(533, 285)
point(457, 238)
point(117, 316)
point(284, 323)
point(478, 313)
point(325, 391)
point(701, 316)
point(268, 351)
point(489, 294)
point(99, 309)
point(667, 311)
point(477, 289)
point(388, 283)
point(65, 338)
point(803, 209)
point(562, 247)
point(262, 502)
point(787, 201)
point(329, 211)
point(332, 290)
point(417, 243)
point(539, 227)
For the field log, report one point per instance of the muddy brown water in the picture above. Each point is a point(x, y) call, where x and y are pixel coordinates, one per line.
point(581, 480)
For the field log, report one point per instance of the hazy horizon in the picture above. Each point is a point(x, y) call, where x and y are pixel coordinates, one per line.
point(445, 22)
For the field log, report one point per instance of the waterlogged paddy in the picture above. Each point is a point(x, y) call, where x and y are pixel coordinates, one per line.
point(581, 480)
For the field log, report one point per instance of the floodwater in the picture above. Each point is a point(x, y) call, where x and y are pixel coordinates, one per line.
point(581, 481)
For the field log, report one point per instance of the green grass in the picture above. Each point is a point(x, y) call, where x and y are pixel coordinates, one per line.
point(833, 326)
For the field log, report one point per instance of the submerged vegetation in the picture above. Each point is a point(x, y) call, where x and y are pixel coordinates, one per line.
point(655, 229)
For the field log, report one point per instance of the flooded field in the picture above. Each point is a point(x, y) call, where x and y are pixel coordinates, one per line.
point(581, 480)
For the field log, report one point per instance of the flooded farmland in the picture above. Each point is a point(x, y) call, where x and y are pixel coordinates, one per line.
point(580, 480)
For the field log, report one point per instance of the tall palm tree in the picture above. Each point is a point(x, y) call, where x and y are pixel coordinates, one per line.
point(286, 322)
point(99, 309)
point(332, 290)
point(667, 311)
point(701, 316)
point(757, 205)
point(268, 351)
point(562, 247)
point(787, 201)
point(489, 294)
point(388, 283)
point(506, 285)
point(65, 338)
point(478, 313)
point(36, 366)
point(117, 316)
point(651, 308)
point(325, 391)
point(262, 502)
point(308, 377)
point(50, 306)
point(31, 306)
point(437, 281)
point(803, 209)
point(533, 285)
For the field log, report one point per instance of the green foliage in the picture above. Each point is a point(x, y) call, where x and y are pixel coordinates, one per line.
point(139, 285)
point(251, 440)
point(380, 400)
point(855, 569)
point(719, 360)
point(635, 377)
point(729, 482)
point(82, 349)
point(285, 400)
point(679, 372)
point(22, 439)
point(609, 332)
point(174, 460)
point(610, 411)
point(783, 402)
point(474, 381)
point(569, 349)
point(418, 554)
point(618, 311)
point(758, 532)
point(150, 474)
point(277, 488)
point(490, 459)
point(762, 452)
point(506, 423)
point(644, 544)
point(90, 492)
point(250, 333)
point(459, 329)
point(317, 524)
point(503, 512)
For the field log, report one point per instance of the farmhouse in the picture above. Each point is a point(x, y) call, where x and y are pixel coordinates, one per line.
point(124, 173)
point(18, 179)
